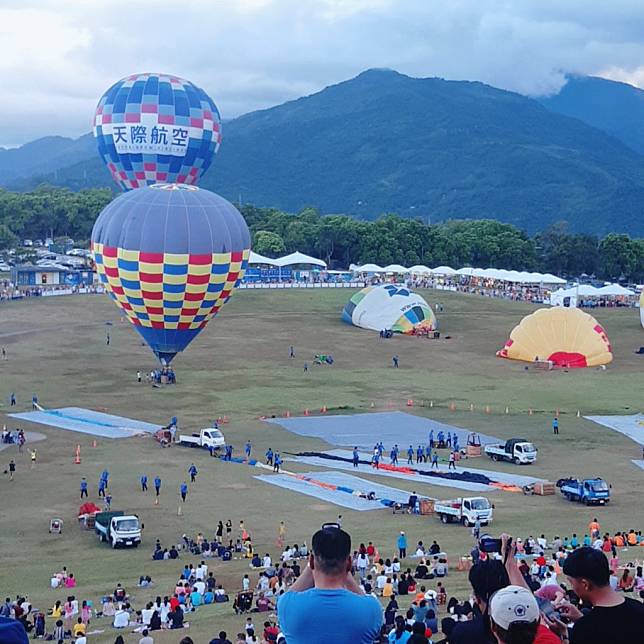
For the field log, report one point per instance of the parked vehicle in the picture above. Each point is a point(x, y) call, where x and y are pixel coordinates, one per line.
point(516, 450)
point(210, 438)
point(588, 491)
point(465, 510)
point(118, 528)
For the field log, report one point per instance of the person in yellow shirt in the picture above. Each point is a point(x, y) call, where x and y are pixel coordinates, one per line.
point(79, 628)
point(632, 538)
point(388, 590)
point(57, 610)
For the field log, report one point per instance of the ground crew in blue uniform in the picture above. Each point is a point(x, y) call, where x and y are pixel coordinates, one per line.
point(248, 449)
point(356, 457)
point(144, 483)
point(435, 460)
point(192, 470)
point(269, 456)
point(277, 462)
point(83, 487)
point(183, 490)
point(419, 454)
point(157, 485)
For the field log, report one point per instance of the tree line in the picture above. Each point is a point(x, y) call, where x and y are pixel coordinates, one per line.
point(341, 240)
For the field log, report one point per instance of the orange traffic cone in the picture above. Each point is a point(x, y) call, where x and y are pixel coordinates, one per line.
point(94, 443)
point(410, 402)
point(452, 407)
point(530, 411)
point(77, 460)
point(323, 410)
point(306, 412)
point(288, 414)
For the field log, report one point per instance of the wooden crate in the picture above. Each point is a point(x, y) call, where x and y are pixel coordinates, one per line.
point(426, 506)
point(544, 489)
point(473, 450)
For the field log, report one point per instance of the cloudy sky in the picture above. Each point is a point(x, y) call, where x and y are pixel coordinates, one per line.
point(58, 56)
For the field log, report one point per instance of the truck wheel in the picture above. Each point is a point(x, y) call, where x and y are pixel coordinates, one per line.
point(516, 461)
point(495, 457)
point(466, 522)
point(444, 518)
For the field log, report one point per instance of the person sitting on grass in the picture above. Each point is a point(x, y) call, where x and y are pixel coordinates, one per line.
point(325, 604)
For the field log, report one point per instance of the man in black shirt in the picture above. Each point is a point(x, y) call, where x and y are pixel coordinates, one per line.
point(613, 617)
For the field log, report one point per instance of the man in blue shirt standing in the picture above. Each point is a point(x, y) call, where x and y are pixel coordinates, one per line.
point(356, 457)
point(325, 604)
point(183, 491)
point(144, 482)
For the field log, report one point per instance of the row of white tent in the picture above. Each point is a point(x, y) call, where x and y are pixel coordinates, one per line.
point(586, 290)
point(519, 277)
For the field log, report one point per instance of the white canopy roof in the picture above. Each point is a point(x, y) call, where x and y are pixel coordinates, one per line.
point(256, 258)
point(467, 271)
point(369, 268)
point(299, 258)
point(396, 268)
point(443, 270)
point(419, 268)
point(614, 289)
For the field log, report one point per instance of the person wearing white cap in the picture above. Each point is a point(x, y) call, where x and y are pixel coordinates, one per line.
point(514, 615)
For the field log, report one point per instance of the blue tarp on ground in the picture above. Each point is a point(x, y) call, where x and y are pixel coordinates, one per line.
point(336, 497)
point(364, 430)
point(88, 421)
point(363, 485)
point(631, 426)
point(639, 464)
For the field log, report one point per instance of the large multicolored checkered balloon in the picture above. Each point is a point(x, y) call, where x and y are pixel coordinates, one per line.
point(153, 128)
point(170, 256)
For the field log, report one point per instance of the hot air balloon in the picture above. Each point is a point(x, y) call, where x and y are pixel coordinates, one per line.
point(389, 306)
point(170, 256)
point(565, 337)
point(156, 128)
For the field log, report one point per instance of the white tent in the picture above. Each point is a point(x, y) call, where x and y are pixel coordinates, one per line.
point(564, 297)
point(614, 289)
point(419, 269)
point(299, 258)
point(585, 290)
point(396, 268)
point(255, 258)
point(549, 278)
point(443, 270)
point(468, 272)
point(369, 268)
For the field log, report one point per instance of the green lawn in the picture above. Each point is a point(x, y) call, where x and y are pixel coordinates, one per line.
point(239, 367)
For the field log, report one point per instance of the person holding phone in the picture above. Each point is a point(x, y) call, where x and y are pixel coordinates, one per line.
point(326, 604)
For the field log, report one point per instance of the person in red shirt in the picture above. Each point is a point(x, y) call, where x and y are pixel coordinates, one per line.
point(371, 549)
point(174, 602)
point(270, 632)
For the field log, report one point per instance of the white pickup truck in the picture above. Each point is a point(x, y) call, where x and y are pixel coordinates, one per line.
point(118, 528)
point(465, 510)
point(516, 450)
point(210, 438)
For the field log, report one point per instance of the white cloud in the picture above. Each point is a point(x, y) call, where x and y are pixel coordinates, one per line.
point(58, 56)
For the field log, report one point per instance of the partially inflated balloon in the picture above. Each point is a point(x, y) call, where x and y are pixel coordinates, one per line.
point(170, 256)
point(565, 337)
point(153, 128)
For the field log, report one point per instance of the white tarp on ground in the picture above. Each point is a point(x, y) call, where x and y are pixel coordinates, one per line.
point(639, 464)
point(631, 426)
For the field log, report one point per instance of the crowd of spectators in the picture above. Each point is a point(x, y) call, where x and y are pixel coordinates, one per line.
point(336, 593)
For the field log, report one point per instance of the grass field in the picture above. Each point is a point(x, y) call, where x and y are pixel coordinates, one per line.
point(239, 367)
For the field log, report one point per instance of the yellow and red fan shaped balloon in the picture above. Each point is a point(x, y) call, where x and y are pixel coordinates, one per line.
point(566, 337)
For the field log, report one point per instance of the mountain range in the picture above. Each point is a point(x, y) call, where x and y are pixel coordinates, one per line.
point(386, 142)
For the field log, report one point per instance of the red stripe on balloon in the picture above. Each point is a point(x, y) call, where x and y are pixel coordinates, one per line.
point(151, 278)
point(151, 258)
point(201, 260)
point(198, 279)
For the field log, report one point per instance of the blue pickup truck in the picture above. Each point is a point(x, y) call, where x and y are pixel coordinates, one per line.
point(588, 491)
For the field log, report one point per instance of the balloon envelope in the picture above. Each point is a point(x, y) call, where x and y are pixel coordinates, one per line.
point(153, 128)
point(389, 306)
point(170, 256)
point(564, 336)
